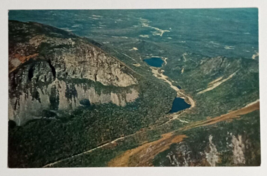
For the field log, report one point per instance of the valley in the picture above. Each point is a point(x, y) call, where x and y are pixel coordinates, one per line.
point(130, 88)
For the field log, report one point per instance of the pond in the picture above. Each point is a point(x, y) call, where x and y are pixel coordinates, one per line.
point(154, 61)
point(178, 105)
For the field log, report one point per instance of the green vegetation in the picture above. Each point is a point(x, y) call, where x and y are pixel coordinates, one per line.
point(43, 141)
point(248, 127)
point(46, 140)
point(241, 89)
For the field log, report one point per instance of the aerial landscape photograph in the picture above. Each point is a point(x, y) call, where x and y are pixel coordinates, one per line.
point(133, 88)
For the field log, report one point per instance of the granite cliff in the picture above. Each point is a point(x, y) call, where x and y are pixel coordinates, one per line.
point(51, 70)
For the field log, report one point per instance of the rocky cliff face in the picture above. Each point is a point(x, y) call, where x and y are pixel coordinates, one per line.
point(51, 69)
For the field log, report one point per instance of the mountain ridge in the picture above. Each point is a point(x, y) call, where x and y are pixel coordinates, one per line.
point(42, 59)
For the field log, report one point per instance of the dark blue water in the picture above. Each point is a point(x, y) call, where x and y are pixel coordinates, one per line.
point(154, 61)
point(178, 105)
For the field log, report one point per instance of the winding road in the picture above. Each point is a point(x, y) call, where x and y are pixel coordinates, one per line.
point(167, 138)
point(144, 154)
point(158, 74)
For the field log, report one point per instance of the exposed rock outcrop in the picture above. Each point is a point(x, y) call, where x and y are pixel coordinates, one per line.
point(212, 155)
point(238, 150)
point(51, 69)
point(181, 156)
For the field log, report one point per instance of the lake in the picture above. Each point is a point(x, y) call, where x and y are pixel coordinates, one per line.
point(154, 61)
point(178, 105)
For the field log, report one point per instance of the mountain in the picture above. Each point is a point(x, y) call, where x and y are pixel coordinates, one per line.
point(69, 94)
point(75, 102)
point(51, 69)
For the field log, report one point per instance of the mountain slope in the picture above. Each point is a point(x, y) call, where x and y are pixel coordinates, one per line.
point(50, 69)
point(58, 109)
